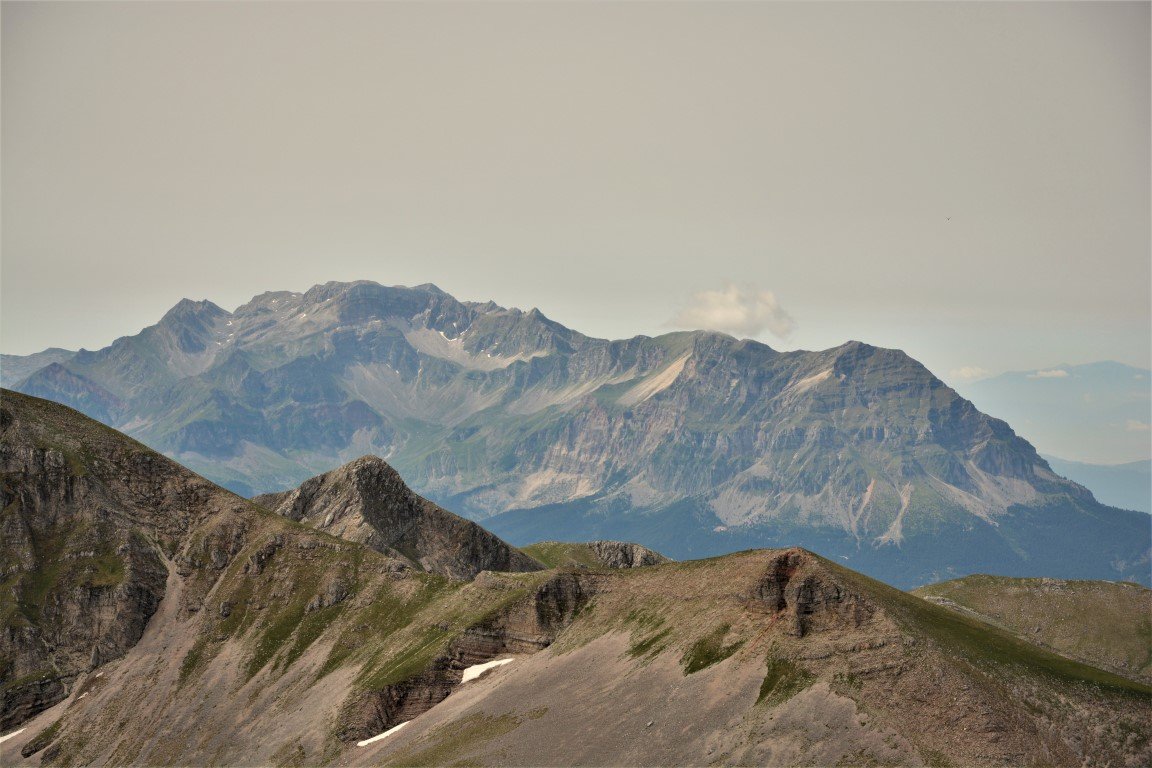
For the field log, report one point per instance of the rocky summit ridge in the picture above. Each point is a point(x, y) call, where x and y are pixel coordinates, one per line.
point(694, 442)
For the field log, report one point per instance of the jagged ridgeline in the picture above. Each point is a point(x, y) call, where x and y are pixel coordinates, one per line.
point(693, 443)
point(151, 617)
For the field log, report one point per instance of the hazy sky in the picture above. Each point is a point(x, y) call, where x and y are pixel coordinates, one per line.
point(968, 182)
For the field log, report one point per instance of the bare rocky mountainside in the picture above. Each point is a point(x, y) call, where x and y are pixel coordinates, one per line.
point(694, 443)
point(229, 635)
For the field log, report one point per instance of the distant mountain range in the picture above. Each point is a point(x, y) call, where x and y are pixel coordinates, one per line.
point(694, 443)
point(1128, 486)
point(1098, 413)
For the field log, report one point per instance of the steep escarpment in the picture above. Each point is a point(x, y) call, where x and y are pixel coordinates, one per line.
point(367, 501)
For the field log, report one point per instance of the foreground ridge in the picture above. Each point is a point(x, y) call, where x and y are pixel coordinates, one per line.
point(269, 642)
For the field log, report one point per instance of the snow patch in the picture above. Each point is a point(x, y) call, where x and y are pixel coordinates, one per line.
point(473, 672)
point(14, 733)
point(380, 736)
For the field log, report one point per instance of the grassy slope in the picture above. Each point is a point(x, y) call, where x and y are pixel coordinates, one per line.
point(986, 644)
point(1100, 622)
point(560, 554)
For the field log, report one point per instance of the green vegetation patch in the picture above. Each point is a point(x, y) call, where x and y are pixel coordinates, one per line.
point(449, 743)
point(559, 554)
point(709, 650)
point(191, 663)
point(649, 646)
point(411, 661)
point(43, 739)
point(644, 619)
point(783, 680)
point(308, 631)
point(389, 613)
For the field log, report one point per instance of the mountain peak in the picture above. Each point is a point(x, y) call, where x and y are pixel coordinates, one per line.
point(186, 309)
point(367, 501)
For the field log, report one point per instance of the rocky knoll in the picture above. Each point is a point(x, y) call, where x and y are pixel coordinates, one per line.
point(620, 554)
point(366, 501)
point(695, 443)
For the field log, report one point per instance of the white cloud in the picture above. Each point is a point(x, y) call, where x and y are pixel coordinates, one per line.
point(741, 311)
point(1137, 426)
point(1055, 373)
point(969, 373)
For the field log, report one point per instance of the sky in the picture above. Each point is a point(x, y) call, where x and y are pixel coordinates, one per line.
point(968, 182)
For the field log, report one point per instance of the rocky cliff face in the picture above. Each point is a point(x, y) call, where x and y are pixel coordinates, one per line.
point(696, 443)
point(366, 501)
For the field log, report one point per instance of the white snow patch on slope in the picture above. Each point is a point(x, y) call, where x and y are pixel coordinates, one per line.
point(473, 672)
point(380, 736)
point(14, 733)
